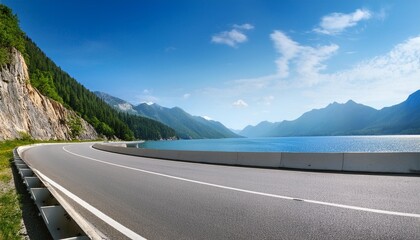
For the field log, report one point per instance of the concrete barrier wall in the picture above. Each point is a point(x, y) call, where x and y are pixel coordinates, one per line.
point(359, 162)
point(228, 158)
point(382, 162)
point(259, 159)
point(316, 161)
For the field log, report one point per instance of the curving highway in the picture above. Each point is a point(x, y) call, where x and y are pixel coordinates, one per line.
point(133, 197)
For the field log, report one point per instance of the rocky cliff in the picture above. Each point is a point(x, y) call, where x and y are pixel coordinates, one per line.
point(23, 110)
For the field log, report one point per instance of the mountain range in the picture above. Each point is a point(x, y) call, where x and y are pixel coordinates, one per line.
point(185, 125)
point(349, 118)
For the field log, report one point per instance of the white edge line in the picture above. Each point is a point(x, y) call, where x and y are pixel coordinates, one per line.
point(414, 215)
point(118, 226)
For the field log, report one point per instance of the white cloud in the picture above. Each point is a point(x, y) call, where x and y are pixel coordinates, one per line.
point(232, 37)
point(186, 96)
point(288, 50)
point(309, 60)
point(336, 23)
point(402, 60)
point(146, 91)
point(240, 104)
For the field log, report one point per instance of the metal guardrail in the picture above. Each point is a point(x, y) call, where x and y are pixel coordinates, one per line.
point(59, 223)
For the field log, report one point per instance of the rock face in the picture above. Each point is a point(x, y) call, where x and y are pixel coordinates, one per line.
point(24, 110)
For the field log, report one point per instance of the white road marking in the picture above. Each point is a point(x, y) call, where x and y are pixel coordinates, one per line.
point(414, 215)
point(118, 226)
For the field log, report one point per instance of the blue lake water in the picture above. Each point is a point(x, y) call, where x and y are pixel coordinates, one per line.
point(406, 143)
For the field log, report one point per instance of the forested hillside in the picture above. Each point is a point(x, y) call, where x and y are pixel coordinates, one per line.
point(53, 82)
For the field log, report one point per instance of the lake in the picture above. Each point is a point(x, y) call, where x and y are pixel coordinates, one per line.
point(400, 143)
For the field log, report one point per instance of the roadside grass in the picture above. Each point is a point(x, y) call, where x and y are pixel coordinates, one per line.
point(11, 215)
point(10, 211)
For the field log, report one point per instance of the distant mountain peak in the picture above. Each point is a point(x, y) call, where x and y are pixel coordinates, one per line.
point(267, 122)
point(333, 104)
point(349, 103)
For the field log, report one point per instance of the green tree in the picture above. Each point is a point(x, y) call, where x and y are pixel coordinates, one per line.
point(106, 130)
point(43, 81)
point(10, 34)
point(75, 125)
point(4, 55)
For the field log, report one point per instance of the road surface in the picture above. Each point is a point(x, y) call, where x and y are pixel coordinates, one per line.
point(160, 199)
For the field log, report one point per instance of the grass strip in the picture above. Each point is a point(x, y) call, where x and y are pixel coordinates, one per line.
point(11, 215)
point(10, 211)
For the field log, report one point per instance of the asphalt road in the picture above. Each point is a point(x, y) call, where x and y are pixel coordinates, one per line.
point(160, 199)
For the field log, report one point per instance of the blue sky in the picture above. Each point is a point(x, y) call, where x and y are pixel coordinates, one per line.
point(238, 62)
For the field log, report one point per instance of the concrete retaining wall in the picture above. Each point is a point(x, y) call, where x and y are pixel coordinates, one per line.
point(382, 162)
point(316, 161)
point(359, 162)
point(259, 159)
